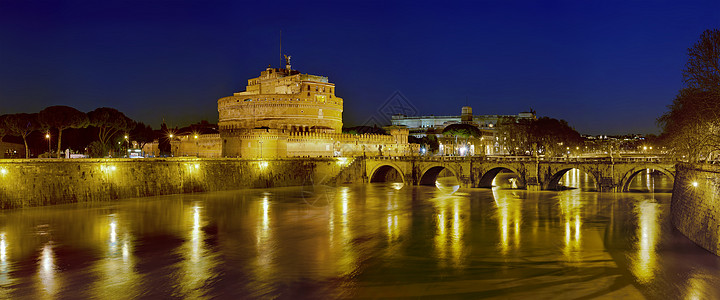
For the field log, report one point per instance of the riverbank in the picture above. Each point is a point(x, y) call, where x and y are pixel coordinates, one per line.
point(39, 182)
point(695, 206)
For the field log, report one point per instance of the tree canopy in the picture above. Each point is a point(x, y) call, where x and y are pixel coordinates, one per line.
point(545, 135)
point(691, 127)
point(142, 134)
point(109, 122)
point(61, 118)
point(462, 130)
point(22, 125)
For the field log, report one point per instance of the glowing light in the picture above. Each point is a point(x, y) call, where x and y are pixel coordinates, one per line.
point(113, 233)
point(197, 166)
point(3, 248)
point(341, 161)
point(263, 164)
point(46, 269)
point(398, 185)
point(125, 251)
point(3, 171)
point(694, 184)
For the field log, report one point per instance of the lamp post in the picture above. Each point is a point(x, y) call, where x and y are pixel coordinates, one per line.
point(127, 146)
point(197, 146)
point(47, 136)
point(261, 154)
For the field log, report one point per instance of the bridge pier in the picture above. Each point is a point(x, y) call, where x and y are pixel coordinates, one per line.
point(532, 184)
point(607, 184)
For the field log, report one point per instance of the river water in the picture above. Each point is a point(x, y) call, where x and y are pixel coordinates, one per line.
point(358, 241)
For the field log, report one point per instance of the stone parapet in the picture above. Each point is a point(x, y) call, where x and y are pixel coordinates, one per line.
point(38, 182)
point(695, 205)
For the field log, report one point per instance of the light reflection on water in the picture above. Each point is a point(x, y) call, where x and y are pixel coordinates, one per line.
point(644, 263)
point(361, 241)
point(571, 206)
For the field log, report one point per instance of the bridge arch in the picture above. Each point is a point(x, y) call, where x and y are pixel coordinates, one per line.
point(486, 179)
point(380, 172)
point(430, 174)
point(630, 175)
point(553, 182)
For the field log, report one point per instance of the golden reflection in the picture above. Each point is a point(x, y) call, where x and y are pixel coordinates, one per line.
point(195, 234)
point(447, 185)
point(3, 260)
point(3, 250)
point(393, 228)
point(197, 263)
point(347, 255)
point(644, 263)
point(117, 269)
point(571, 208)
point(697, 288)
point(113, 233)
point(509, 215)
point(264, 246)
point(449, 242)
point(46, 271)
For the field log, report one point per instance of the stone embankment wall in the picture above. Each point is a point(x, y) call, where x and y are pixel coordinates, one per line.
point(695, 207)
point(37, 182)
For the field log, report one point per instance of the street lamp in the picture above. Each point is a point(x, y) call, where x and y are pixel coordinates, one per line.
point(261, 154)
point(127, 145)
point(197, 146)
point(47, 136)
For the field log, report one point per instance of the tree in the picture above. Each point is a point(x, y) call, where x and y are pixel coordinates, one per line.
point(429, 140)
point(462, 130)
point(3, 127)
point(61, 118)
point(164, 140)
point(691, 127)
point(702, 70)
point(22, 125)
point(109, 122)
point(552, 136)
point(142, 134)
point(514, 134)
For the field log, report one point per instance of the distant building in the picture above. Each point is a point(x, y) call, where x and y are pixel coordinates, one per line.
point(486, 144)
point(12, 150)
point(419, 125)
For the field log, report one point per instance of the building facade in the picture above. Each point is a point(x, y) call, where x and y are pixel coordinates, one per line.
point(284, 113)
point(486, 144)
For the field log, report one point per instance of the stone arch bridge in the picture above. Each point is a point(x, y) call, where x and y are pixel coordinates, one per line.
point(609, 174)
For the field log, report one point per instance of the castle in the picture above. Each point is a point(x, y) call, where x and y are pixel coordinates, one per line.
point(284, 113)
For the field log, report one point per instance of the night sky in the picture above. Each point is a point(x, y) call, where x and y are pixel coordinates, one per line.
point(605, 67)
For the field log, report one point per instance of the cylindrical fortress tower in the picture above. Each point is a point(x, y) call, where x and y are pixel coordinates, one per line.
point(283, 99)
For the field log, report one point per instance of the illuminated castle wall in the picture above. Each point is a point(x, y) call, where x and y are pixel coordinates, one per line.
point(283, 99)
point(283, 113)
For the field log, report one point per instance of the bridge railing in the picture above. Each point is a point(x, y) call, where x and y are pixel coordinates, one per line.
point(532, 159)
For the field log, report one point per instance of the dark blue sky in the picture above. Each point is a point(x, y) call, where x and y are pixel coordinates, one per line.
point(606, 67)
